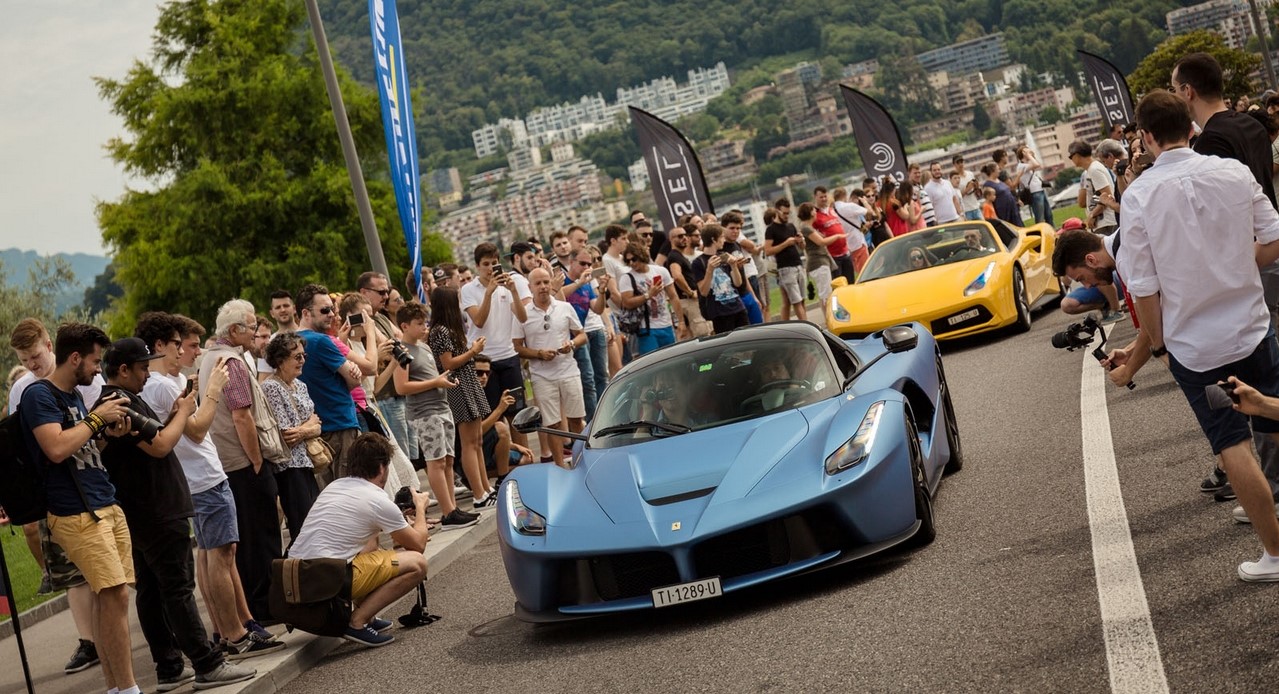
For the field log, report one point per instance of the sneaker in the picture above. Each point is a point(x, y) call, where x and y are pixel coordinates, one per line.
point(253, 626)
point(1226, 493)
point(226, 673)
point(487, 501)
point(367, 636)
point(168, 684)
point(456, 520)
point(460, 491)
point(1241, 517)
point(1259, 572)
point(1213, 482)
point(1111, 316)
point(46, 585)
point(380, 625)
point(85, 657)
point(249, 646)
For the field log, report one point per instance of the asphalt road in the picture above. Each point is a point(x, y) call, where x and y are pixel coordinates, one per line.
point(1005, 600)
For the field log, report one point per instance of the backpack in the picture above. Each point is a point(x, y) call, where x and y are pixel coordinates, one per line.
point(313, 595)
point(634, 321)
point(22, 494)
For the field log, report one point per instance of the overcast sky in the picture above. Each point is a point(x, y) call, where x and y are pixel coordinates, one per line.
point(52, 122)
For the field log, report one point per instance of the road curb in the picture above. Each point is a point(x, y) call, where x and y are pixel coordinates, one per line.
point(35, 615)
point(306, 650)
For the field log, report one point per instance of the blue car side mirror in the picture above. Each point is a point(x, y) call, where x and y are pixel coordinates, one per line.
point(900, 338)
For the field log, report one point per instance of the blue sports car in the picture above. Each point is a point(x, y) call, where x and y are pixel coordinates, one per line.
point(727, 461)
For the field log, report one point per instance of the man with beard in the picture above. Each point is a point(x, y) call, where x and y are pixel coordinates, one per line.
point(83, 516)
point(679, 264)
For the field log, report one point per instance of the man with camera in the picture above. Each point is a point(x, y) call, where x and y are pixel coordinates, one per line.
point(345, 523)
point(1196, 231)
point(83, 516)
point(329, 376)
point(153, 492)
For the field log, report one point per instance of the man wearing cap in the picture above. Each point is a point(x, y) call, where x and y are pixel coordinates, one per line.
point(153, 492)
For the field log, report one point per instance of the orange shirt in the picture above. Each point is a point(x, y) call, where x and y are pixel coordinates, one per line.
point(988, 211)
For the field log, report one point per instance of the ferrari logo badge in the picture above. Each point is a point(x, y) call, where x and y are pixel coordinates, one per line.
point(675, 526)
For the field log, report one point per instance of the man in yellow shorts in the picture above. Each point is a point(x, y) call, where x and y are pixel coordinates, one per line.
point(345, 523)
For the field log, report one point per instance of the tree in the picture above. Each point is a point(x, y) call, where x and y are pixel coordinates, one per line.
point(981, 119)
point(904, 88)
point(229, 124)
point(1155, 71)
point(1050, 115)
point(46, 279)
point(98, 297)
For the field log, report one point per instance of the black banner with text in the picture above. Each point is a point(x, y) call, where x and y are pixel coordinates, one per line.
point(878, 140)
point(675, 174)
point(1109, 88)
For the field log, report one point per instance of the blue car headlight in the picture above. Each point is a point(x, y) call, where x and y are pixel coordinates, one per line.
point(837, 311)
point(980, 283)
point(523, 520)
point(857, 449)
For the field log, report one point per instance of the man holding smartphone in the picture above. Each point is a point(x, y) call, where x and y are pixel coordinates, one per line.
point(580, 292)
point(547, 339)
point(495, 303)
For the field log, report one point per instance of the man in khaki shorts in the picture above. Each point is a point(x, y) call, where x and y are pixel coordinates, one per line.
point(84, 518)
point(345, 523)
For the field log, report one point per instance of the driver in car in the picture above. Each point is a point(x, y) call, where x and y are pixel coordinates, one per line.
point(669, 400)
point(972, 247)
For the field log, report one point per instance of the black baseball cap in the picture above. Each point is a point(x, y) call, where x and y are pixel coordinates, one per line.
point(129, 350)
point(520, 248)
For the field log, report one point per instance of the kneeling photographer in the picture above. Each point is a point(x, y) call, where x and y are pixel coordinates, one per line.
point(345, 522)
point(153, 493)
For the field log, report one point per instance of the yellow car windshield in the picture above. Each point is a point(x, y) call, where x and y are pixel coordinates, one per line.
point(920, 250)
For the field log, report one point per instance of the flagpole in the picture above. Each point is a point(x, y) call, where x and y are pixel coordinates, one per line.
point(371, 239)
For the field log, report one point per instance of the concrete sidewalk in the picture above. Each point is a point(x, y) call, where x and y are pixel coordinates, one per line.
point(50, 642)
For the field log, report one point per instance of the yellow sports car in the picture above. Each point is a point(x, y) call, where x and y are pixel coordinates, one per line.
point(958, 279)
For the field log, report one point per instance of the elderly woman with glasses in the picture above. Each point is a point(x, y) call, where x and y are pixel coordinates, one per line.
point(295, 412)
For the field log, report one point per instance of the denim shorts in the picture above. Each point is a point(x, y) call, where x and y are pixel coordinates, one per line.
point(215, 521)
point(1227, 427)
point(1087, 295)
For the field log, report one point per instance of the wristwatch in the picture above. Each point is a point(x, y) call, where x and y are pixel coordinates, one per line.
point(1158, 352)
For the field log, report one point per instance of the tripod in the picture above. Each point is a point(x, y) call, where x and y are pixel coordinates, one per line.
point(418, 616)
point(17, 623)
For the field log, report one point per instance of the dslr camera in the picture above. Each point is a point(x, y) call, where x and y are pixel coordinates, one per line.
point(1080, 335)
point(401, 354)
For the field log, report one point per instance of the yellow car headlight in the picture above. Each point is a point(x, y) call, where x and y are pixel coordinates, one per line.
point(982, 280)
point(837, 311)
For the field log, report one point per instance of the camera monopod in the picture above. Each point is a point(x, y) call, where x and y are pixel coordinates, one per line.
point(418, 616)
point(1079, 335)
point(1100, 354)
point(8, 596)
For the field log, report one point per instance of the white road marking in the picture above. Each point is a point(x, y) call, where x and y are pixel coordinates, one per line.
point(1132, 651)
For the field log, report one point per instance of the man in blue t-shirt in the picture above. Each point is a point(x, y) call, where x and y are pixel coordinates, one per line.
point(328, 375)
point(83, 515)
point(592, 357)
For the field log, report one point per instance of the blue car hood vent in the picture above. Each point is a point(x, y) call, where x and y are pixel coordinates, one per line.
point(727, 460)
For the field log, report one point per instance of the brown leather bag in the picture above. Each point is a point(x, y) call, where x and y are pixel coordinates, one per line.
point(313, 595)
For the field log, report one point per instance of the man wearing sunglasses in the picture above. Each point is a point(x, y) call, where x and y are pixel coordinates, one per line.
point(376, 289)
point(329, 376)
point(547, 338)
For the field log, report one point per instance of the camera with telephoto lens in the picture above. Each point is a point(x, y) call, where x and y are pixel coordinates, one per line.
point(401, 353)
point(145, 427)
point(1080, 335)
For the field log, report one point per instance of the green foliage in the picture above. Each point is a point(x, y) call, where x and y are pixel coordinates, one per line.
point(839, 155)
point(981, 119)
point(98, 297)
point(230, 124)
point(1155, 72)
point(47, 278)
point(700, 128)
point(1051, 115)
point(611, 150)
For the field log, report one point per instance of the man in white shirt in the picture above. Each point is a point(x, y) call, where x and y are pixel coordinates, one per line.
point(1095, 188)
point(495, 302)
point(939, 190)
point(345, 523)
point(547, 338)
point(1196, 230)
point(852, 218)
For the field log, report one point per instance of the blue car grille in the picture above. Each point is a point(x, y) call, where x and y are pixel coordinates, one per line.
point(744, 551)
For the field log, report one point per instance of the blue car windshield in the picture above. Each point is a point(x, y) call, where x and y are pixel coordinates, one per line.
point(920, 250)
point(718, 385)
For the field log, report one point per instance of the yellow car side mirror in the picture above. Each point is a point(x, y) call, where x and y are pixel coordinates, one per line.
point(839, 282)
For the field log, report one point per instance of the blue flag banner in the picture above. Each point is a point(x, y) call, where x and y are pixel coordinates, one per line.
point(397, 121)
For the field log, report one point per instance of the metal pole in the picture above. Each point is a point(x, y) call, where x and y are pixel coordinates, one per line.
point(1260, 30)
point(348, 142)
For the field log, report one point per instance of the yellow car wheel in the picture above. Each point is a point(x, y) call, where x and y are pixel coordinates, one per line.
point(1022, 301)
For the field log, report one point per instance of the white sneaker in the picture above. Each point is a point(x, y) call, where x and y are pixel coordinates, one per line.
point(1241, 516)
point(1259, 572)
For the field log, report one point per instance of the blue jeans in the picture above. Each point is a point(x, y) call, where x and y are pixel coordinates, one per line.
point(753, 312)
point(656, 337)
point(974, 215)
point(1041, 208)
point(392, 410)
point(592, 363)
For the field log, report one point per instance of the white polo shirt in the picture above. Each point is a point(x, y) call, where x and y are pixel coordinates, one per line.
point(1189, 227)
point(550, 329)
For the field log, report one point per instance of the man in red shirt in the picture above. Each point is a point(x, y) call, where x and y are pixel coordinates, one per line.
point(826, 222)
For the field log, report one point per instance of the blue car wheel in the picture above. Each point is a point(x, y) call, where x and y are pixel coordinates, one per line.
point(923, 499)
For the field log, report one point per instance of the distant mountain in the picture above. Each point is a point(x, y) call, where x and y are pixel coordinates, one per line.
point(86, 268)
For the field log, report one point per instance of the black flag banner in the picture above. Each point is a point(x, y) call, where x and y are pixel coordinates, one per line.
point(1109, 88)
point(675, 174)
point(878, 140)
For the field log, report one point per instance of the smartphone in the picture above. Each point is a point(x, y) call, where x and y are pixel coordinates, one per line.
point(355, 319)
point(514, 391)
point(725, 258)
point(189, 388)
point(598, 273)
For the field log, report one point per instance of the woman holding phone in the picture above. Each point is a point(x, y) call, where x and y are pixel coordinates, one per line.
point(651, 285)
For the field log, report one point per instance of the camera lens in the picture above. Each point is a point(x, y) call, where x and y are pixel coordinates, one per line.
point(145, 427)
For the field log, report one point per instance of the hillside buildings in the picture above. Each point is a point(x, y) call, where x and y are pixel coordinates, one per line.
point(1230, 18)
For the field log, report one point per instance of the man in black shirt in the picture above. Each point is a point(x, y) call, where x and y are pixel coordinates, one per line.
point(1226, 133)
point(782, 241)
point(681, 269)
point(153, 492)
